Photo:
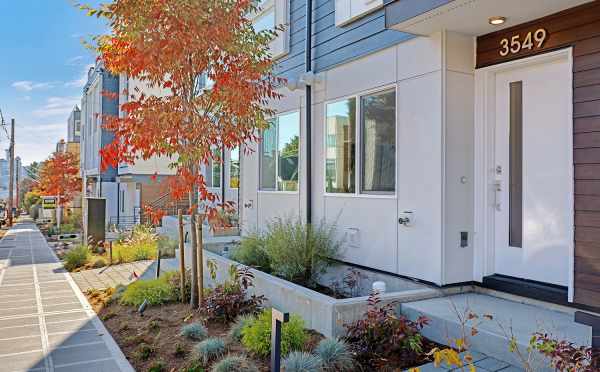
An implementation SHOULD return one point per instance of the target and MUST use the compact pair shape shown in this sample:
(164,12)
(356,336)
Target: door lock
(406,218)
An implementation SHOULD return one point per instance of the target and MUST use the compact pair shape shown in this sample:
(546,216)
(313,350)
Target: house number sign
(516,43)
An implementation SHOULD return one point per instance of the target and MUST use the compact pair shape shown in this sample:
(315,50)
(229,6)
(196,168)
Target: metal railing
(124,222)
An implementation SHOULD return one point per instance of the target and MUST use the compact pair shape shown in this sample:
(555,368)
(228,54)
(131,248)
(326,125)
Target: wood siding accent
(578,28)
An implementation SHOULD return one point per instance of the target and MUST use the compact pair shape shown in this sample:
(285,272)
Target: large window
(279,154)
(376,138)
(340,175)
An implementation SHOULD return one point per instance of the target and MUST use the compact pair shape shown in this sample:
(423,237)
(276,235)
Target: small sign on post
(48,202)
(277,320)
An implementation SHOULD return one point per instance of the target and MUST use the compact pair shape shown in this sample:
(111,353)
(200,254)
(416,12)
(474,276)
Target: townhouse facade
(450,141)
(95,106)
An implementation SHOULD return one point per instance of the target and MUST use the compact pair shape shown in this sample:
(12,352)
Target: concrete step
(509,318)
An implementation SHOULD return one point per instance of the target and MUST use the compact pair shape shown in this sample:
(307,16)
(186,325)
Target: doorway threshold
(552,293)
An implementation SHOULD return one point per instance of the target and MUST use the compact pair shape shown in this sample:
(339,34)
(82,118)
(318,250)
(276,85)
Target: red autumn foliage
(59,176)
(170,47)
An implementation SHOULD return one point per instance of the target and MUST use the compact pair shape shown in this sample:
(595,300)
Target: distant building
(20,173)
(74,126)
(72,147)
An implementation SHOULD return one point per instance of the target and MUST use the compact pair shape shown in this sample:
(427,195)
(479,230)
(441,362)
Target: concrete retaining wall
(322,313)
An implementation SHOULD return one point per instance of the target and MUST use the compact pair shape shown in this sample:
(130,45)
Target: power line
(3,123)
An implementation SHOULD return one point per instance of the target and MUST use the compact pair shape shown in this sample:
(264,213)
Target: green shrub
(380,334)
(144,351)
(299,361)
(130,252)
(179,351)
(157,366)
(68,228)
(235,332)
(194,331)
(234,363)
(156,291)
(210,349)
(252,252)
(335,354)
(256,336)
(140,244)
(76,257)
(228,300)
(75,219)
(98,262)
(300,252)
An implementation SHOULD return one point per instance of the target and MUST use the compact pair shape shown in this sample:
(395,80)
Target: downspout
(223,198)
(308,112)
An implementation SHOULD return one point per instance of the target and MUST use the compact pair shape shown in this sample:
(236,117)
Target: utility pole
(11,180)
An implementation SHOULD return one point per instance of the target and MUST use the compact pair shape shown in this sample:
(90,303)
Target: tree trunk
(200,255)
(181,254)
(194,263)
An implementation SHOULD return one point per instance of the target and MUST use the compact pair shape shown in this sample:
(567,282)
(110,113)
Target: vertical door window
(288,140)
(234,168)
(213,170)
(340,163)
(268,157)
(378,126)
(516,165)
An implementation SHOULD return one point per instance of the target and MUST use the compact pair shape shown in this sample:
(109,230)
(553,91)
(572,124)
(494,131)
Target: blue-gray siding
(334,45)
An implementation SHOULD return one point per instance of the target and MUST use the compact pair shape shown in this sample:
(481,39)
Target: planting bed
(159,328)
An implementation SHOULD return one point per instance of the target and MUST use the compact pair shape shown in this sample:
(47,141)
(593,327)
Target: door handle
(497,195)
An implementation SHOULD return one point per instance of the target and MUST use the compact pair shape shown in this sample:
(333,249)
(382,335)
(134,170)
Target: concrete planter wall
(322,313)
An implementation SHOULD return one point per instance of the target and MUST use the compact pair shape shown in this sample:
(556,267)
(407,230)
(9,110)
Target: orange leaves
(166,48)
(59,176)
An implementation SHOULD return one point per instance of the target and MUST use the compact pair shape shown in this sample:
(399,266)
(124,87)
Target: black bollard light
(277,319)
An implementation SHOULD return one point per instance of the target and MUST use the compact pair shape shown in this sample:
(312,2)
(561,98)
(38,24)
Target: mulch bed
(159,328)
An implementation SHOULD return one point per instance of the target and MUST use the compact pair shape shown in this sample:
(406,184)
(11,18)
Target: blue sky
(42,67)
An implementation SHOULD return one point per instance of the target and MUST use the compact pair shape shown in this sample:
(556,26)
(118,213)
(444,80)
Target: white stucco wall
(433,79)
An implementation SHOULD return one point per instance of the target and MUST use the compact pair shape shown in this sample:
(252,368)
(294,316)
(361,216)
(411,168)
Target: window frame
(300,157)
(358,156)
(210,166)
(279,46)
(229,162)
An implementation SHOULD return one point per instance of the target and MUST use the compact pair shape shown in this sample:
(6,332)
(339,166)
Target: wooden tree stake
(181,254)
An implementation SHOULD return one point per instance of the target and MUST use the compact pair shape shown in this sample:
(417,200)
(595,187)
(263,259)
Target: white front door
(533,171)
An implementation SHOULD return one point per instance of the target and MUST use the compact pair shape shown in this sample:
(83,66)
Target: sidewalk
(46,324)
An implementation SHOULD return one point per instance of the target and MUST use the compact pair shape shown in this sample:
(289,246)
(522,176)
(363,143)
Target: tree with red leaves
(175,46)
(59,176)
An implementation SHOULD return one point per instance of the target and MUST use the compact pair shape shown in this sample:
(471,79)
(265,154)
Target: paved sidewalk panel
(46,324)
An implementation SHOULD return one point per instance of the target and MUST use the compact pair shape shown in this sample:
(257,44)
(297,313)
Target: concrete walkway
(110,276)
(46,324)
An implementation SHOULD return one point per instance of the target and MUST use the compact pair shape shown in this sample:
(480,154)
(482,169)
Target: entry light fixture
(496,21)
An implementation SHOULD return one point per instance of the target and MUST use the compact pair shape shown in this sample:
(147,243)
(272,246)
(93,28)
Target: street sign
(48,202)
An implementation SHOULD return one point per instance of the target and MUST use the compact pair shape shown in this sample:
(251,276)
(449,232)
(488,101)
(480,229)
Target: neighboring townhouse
(95,106)
(450,141)
(143,183)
